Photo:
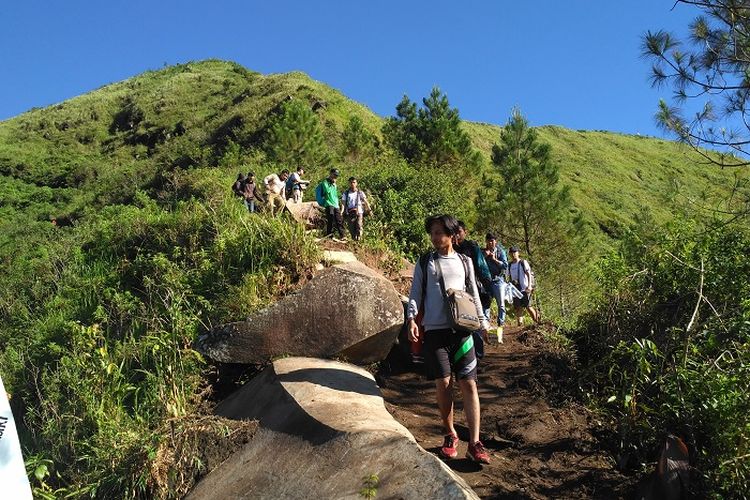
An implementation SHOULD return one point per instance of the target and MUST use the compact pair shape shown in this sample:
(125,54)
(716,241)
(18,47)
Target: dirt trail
(542,445)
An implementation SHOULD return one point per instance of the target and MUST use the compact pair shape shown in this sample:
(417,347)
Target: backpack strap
(467,278)
(423,261)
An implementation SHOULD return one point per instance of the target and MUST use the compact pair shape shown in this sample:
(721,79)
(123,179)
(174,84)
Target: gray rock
(307,213)
(323,429)
(347,310)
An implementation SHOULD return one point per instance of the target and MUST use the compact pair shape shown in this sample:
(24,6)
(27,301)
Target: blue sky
(573,63)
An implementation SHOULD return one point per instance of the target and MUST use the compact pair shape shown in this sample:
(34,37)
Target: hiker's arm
(527,272)
(415,302)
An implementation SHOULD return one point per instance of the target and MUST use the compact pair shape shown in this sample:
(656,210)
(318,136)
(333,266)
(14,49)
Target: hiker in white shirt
(449,353)
(275,187)
(519,272)
(355,205)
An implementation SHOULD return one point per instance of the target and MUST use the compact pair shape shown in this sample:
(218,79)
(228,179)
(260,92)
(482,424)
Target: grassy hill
(100,148)
(120,240)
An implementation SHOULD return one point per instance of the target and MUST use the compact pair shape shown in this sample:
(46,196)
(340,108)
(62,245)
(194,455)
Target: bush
(658,364)
(105,362)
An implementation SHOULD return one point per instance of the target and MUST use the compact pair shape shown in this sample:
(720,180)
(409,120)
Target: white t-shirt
(274,184)
(517,274)
(454,276)
(354,199)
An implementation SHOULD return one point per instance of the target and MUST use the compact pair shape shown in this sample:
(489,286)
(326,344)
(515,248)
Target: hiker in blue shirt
(497,262)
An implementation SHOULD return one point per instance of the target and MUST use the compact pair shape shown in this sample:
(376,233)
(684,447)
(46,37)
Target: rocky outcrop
(323,430)
(306,213)
(347,310)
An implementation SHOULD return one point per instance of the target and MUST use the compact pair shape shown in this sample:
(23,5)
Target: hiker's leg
(339,222)
(533,313)
(500,303)
(471,407)
(251,206)
(478,344)
(360,226)
(496,293)
(329,220)
(352,226)
(443,388)
(297,196)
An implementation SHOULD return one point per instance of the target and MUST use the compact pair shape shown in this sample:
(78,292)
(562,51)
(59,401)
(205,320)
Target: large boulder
(307,213)
(347,310)
(323,429)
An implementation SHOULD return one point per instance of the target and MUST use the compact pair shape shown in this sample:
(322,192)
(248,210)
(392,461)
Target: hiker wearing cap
(449,354)
(327,195)
(355,205)
(275,191)
(519,272)
(497,262)
(471,249)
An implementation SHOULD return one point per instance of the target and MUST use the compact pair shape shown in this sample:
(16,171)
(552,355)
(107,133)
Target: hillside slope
(101,147)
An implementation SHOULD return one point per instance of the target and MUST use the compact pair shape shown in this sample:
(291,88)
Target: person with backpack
(327,196)
(275,191)
(251,193)
(448,350)
(497,262)
(483,278)
(520,274)
(295,185)
(238,187)
(355,205)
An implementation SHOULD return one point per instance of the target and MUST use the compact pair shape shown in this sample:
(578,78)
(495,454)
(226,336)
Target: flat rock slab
(339,257)
(348,310)
(323,429)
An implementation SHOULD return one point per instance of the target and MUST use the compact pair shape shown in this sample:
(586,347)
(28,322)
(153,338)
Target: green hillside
(101,147)
(120,241)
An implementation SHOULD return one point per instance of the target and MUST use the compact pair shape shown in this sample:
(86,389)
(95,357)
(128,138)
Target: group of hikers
(438,313)
(285,186)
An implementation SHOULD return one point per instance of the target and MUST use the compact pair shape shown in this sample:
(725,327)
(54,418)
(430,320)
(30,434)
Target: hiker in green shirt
(327,195)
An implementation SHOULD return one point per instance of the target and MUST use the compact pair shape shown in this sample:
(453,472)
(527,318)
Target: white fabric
(274,184)
(435,317)
(13,481)
(352,199)
(510,292)
(517,274)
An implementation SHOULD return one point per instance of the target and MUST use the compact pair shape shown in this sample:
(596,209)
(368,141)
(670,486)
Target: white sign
(13,481)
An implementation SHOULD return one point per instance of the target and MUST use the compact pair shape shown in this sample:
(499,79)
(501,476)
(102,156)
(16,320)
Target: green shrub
(658,364)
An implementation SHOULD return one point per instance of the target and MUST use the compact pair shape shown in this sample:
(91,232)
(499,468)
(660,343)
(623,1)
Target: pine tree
(359,142)
(525,202)
(713,71)
(431,134)
(295,137)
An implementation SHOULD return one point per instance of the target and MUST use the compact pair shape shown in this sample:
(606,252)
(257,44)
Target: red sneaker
(477,453)
(448,449)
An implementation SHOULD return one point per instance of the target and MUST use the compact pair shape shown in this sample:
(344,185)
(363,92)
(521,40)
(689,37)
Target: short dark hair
(251,174)
(461,224)
(490,237)
(300,169)
(449,223)
(285,171)
(352,179)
